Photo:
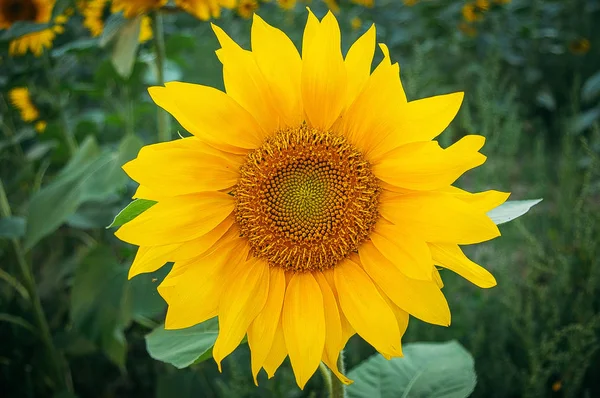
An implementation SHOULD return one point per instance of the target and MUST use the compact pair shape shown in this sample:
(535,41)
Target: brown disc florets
(306,199)
(18,10)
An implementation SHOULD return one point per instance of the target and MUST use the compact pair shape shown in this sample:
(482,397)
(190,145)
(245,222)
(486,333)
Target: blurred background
(74,107)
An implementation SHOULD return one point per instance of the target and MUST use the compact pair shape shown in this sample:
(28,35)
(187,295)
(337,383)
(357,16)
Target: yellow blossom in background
(580,46)
(410,3)
(133,8)
(333,5)
(471,13)
(40,126)
(145,29)
(467,29)
(93,16)
(205,9)
(246,8)
(20,98)
(365,3)
(36,11)
(356,23)
(311,202)
(286,4)
(93,19)
(482,5)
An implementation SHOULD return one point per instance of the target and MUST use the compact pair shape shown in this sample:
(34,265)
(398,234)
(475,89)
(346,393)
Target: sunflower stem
(40,319)
(338,389)
(164,133)
(62,118)
(326,378)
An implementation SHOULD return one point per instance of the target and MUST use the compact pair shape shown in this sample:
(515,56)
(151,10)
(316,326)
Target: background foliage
(531,73)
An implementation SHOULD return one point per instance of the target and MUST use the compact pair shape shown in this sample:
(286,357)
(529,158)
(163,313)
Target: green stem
(29,282)
(326,378)
(335,388)
(164,133)
(338,389)
(64,123)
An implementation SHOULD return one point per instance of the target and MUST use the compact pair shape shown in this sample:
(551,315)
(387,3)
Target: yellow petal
(277,353)
(181,171)
(421,299)
(450,256)
(304,325)
(151,258)
(437,277)
(333,327)
(426,166)
(178,219)
(201,245)
(193,288)
(245,83)
(347,329)
(376,110)
(366,310)
(438,217)
(485,201)
(146,193)
(209,114)
(280,63)
(323,73)
(358,63)
(408,253)
(242,300)
(263,328)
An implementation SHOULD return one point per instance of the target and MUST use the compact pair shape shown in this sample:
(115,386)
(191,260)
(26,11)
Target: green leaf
(131,211)
(584,120)
(112,26)
(15,320)
(591,87)
(432,370)
(91,175)
(125,50)
(12,227)
(510,210)
(183,347)
(100,304)
(80,44)
(21,28)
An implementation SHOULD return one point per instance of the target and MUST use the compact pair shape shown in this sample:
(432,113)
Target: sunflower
(36,11)
(246,8)
(21,100)
(93,19)
(205,9)
(310,203)
(286,4)
(133,8)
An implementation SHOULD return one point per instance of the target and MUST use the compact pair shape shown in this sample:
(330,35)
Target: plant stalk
(338,389)
(164,133)
(40,319)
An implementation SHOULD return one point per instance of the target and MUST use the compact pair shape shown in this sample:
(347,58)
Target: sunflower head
(246,8)
(11,11)
(311,203)
(133,8)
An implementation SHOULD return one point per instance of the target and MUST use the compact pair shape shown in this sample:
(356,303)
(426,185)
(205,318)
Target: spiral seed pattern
(306,199)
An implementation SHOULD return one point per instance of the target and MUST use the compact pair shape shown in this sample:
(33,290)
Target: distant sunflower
(21,100)
(310,204)
(365,3)
(133,8)
(286,4)
(246,8)
(580,46)
(93,19)
(205,9)
(36,11)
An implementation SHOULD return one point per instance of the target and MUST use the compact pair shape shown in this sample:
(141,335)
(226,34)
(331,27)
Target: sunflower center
(306,199)
(19,10)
